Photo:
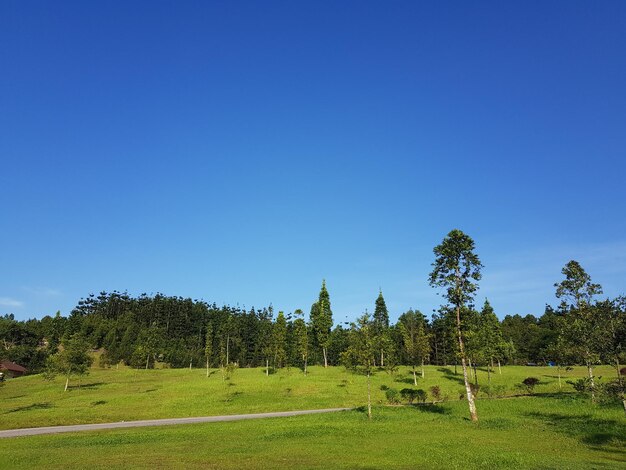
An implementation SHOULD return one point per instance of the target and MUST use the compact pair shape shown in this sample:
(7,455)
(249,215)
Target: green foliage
(392,396)
(456,268)
(72,359)
(530,383)
(322,320)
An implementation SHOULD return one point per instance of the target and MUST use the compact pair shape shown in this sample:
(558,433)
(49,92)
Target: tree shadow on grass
(594,432)
(433,408)
(34,406)
(93,385)
(450,375)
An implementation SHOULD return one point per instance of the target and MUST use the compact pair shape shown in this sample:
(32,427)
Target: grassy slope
(127,394)
(532,432)
(544,431)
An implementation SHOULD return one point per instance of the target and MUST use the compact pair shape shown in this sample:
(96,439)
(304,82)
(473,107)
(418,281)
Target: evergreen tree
(362,351)
(302,339)
(582,330)
(415,339)
(280,340)
(490,334)
(381,327)
(322,321)
(208,346)
(457,269)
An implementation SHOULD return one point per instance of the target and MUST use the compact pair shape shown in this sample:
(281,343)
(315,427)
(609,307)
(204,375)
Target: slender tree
(362,351)
(322,321)
(490,337)
(279,340)
(415,339)
(208,346)
(582,329)
(72,359)
(457,270)
(381,326)
(302,338)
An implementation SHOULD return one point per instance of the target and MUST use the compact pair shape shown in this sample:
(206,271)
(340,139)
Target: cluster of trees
(181,332)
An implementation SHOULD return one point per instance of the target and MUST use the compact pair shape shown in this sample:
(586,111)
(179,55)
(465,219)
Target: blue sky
(240,152)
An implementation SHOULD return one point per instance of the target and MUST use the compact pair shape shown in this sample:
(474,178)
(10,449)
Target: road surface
(157,422)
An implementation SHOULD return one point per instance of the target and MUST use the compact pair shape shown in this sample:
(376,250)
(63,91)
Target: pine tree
(302,339)
(279,340)
(322,321)
(457,269)
(582,329)
(381,327)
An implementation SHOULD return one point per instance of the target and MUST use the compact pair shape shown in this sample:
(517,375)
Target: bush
(611,392)
(530,383)
(581,385)
(393,397)
(408,394)
(435,392)
(383,387)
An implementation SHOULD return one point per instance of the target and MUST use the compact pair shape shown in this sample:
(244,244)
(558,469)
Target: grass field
(548,430)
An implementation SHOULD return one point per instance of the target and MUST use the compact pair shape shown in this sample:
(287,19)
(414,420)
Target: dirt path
(157,422)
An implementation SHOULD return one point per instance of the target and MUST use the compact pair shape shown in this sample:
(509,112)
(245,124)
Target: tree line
(144,330)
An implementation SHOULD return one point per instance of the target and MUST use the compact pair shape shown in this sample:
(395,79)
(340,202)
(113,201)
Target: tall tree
(208,346)
(302,338)
(279,340)
(582,330)
(73,359)
(362,351)
(322,321)
(381,326)
(457,270)
(415,339)
(490,337)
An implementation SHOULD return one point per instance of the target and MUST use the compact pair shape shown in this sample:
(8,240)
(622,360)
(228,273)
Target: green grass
(547,430)
(534,432)
(114,395)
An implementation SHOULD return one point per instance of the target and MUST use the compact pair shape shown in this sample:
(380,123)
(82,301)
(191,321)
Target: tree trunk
(325,358)
(369,397)
(207,366)
(475,375)
(147,361)
(382,358)
(468,388)
(499,368)
(227,350)
(422,368)
(558,372)
(305,361)
(67,383)
(592,384)
(489,373)
(267,367)
(190,361)
(414,376)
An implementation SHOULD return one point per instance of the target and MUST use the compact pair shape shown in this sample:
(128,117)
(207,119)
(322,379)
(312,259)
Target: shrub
(530,383)
(392,396)
(581,385)
(408,394)
(383,387)
(435,392)
(611,392)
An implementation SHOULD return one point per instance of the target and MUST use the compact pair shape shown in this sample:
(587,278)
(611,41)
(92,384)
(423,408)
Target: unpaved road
(157,422)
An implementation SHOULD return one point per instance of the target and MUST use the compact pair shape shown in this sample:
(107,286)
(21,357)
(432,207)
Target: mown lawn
(528,432)
(126,394)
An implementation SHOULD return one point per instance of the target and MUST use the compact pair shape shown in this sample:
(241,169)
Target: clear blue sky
(240,152)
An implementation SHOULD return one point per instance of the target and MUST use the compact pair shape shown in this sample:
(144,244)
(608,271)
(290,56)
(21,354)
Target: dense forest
(180,332)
